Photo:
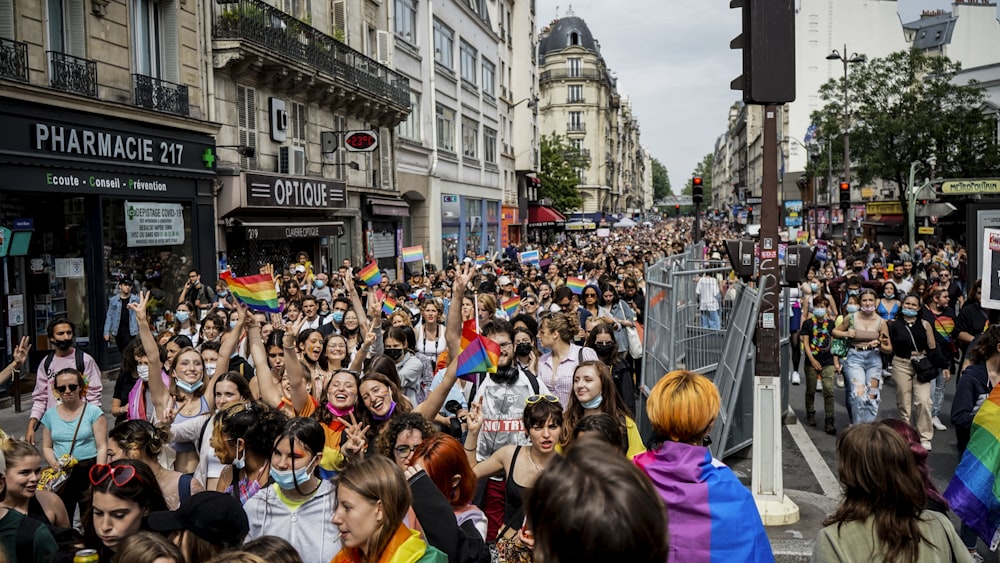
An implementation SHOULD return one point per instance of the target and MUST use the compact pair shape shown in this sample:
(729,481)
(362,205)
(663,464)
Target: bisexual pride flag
(413,254)
(257,292)
(370,274)
(974,490)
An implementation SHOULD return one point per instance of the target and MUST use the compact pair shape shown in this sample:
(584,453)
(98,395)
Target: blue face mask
(232,325)
(189,387)
(593,403)
(338,316)
(182,316)
(854,292)
(853,308)
(909,313)
(813,286)
(223,292)
(286,480)
(819,312)
(240,462)
(319,284)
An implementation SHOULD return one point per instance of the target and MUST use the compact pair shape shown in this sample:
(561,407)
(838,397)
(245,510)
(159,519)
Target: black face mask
(394,353)
(64,345)
(604,349)
(505,375)
(523,349)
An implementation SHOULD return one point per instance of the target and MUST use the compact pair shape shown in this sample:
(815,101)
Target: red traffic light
(696,181)
(677,206)
(845,186)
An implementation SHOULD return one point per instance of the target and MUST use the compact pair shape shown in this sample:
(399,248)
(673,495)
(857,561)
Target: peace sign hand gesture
(475,417)
(356,434)
(140,307)
(21,350)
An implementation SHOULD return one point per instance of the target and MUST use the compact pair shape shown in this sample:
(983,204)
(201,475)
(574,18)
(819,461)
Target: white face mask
(210,369)
(142,372)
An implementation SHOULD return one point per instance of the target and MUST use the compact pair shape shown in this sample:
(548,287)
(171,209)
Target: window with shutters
(246,109)
(468,55)
(7,19)
(445,129)
(410,128)
(489,145)
(489,78)
(339,20)
(66,27)
(470,138)
(339,171)
(385,154)
(154,36)
(297,123)
(406,20)
(444,45)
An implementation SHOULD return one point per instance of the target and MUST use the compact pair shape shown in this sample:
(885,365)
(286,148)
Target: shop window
(473,227)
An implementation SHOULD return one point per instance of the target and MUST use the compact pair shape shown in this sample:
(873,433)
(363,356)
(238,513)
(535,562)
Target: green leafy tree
(661,181)
(560,173)
(703,169)
(904,108)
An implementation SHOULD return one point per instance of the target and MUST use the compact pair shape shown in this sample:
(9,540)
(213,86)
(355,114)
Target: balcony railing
(256,22)
(153,93)
(13,60)
(562,74)
(576,127)
(575,100)
(72,74)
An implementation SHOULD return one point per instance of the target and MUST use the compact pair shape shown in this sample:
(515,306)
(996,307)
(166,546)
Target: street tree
(661,181)
(561,164)
(905,107)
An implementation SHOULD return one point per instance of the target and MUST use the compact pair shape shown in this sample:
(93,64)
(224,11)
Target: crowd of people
(346,429)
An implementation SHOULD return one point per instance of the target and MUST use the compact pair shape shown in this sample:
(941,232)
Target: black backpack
(52,354)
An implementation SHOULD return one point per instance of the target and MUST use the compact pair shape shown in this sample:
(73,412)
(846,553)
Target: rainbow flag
(711,516)
(468,333)
(481,356)
(413,254)
(257,292)
(511,305)
(974,490)
(481,260)
(576,284)
(388,305)
(370,274)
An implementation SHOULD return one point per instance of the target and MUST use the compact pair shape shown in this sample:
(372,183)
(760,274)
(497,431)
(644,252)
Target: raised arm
(453,328)
(435,400)
(229,343)
(159,390)
(359,358)
(293,368)
(20,354)
(267,388)
(359,308)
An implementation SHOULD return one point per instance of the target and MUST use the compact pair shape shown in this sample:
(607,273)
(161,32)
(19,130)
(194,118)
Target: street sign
(961,187)
(925,230)
(935,210)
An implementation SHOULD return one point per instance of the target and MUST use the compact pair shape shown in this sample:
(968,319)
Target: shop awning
(884,220)
(544,216)
(390,207)
(278,230)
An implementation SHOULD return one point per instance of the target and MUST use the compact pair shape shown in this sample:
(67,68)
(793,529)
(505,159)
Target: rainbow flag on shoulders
(388,305)
(576,284)
(257,292)
(511,305)
(974,490)
(370,274)
(413,254)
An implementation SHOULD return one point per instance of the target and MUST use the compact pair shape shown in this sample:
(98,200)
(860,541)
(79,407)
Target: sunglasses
(120,475)
(72,387)
(536,398)
(530,303)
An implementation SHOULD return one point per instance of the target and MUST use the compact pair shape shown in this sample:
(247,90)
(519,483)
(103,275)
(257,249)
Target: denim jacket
(115,313)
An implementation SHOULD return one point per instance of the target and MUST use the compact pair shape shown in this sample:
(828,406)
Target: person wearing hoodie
(298,506)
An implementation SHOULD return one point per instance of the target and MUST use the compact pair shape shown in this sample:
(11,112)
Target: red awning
(544,216)
(884,220)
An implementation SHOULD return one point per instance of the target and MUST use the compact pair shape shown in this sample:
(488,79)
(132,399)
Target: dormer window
(574,38)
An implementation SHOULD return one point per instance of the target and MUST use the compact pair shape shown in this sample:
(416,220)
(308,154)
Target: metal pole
(849,235)
(911,205)
(766,477)
(697,222)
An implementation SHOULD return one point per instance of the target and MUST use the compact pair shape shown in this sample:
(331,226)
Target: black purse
(923,369)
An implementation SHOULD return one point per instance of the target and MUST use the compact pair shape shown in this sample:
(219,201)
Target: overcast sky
(673,60)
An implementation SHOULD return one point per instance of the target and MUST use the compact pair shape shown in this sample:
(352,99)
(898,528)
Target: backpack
(52,354)
(68,540)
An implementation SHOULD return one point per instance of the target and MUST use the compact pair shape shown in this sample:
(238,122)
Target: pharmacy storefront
(90,200)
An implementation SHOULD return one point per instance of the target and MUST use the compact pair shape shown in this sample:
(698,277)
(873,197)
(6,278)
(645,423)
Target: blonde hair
(682,405)
(403,314)
(488,301)
(377,479)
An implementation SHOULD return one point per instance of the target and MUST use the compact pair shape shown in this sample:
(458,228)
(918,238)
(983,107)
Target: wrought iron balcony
(570,74)
(576,127)
(153,93)
(72,74)
(13,60)
(254,21)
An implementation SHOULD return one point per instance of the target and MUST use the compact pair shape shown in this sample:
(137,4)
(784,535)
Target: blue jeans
(863,370)
(937,394)
(710,319)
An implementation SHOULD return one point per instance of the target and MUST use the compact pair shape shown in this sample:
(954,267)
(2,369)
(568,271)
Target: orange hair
(443,458)
(682,404)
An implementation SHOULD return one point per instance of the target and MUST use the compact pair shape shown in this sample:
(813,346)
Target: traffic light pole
(767,483)
(697,222)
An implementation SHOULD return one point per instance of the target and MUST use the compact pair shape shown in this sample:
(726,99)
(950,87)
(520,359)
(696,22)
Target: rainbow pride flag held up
(481,356)
(481,260)
(413,254)
(511,305)
(576,284)
(257,292)
(388,305)
(469,333)
(370,274)
(974,490)
(711,516)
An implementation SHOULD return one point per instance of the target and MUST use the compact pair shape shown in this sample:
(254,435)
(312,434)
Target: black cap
(125,281)
(215,517)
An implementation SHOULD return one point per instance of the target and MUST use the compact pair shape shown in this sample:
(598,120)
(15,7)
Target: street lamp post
(847,61)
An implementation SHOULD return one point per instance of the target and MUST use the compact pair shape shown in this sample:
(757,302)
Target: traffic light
(845,195)
(768,44)
(750,214)
(677,209)
(697,192)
